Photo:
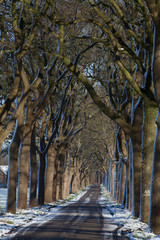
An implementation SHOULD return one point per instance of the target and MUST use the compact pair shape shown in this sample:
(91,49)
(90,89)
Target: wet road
(80,220)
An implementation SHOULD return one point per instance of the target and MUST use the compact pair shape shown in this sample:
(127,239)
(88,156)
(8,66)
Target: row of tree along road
(51,53)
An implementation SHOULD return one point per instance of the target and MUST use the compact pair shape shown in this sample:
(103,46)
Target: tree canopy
(55,53)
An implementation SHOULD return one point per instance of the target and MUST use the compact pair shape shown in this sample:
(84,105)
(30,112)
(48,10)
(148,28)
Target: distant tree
(91,145)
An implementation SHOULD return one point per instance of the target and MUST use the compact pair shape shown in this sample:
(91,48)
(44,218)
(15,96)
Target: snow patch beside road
(132,227)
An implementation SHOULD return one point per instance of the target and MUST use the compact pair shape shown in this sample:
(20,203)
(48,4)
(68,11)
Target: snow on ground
(135,229)
(131,226)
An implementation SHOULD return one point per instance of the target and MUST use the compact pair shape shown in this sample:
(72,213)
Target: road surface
(82,220)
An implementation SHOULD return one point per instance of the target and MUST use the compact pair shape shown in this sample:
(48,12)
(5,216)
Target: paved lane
(80,220)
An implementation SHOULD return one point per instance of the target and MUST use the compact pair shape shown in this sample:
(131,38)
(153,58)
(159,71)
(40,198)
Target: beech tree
(154,222)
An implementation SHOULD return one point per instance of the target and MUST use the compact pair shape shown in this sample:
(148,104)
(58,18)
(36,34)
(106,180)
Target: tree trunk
(58,180)
(128,186)
(61,183)
(42,164)
(13,171)
(51,156)
(24,167)
(154,216)
(33,172)
(107,180)
(111,176)
(71,184)
(130,176)
(87,180)
(74,184)
(54,191)
(119,179)
(123,180)
(66,178)
(82,182)
(115,180)
(136,177)
(136,159)
(61,159)
(148,147)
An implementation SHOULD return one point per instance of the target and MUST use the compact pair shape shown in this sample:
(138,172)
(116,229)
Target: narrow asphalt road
(80,220)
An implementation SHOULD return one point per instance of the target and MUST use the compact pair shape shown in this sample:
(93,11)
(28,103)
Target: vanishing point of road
(82,220)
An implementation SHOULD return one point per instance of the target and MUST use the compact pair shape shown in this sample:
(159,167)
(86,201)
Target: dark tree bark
(13,171)
(24,167)
(33,172)
(123,180)
(154,217)
(149,128)
(127,192)
(60,171)
(42,164)
(55,175)
(51,158)
(136,138)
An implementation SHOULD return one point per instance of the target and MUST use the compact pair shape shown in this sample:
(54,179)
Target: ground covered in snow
(128,224)
(131,226)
